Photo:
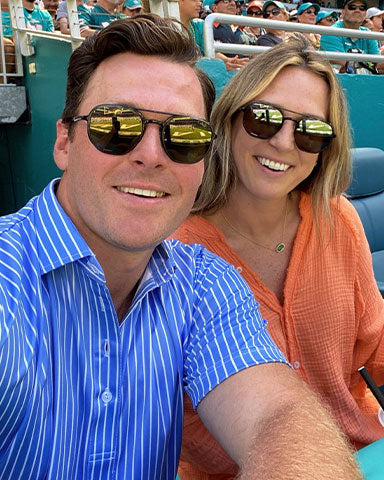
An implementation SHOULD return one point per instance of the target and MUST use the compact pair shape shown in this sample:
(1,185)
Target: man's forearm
(301,442)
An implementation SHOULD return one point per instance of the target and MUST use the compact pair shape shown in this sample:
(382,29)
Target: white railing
(211,46)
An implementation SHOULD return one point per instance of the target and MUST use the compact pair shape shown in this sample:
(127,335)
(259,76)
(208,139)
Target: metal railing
(211,46)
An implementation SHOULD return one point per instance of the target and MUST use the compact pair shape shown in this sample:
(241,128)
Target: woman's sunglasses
(117,129)
(274,12)
(261,120)
(362,8)
(310,11)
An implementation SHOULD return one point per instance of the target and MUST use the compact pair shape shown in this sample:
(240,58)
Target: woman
(271,204)
(254,10)
(306,13)
(273,10)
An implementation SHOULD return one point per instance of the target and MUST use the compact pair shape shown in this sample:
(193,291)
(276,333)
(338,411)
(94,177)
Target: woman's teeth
(273,165)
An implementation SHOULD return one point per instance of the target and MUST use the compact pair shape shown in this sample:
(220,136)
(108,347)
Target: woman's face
(308,16)
(293,89)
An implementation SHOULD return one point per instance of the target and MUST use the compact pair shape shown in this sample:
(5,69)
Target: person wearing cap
(374,21)
(62,18)
(273,10)
(255,10)
(132,7)
(353,15)
(306,13)
(189,16)
(326,18)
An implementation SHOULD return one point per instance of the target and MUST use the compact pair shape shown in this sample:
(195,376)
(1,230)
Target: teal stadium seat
(367,195)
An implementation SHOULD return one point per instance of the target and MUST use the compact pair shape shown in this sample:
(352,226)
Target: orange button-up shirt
(330,324)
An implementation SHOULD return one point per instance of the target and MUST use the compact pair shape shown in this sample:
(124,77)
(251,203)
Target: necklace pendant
(280,247)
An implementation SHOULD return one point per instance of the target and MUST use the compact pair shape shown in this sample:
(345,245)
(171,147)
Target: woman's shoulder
(195,229)
(346,218)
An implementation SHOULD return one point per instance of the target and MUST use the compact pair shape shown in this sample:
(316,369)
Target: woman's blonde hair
(329,178)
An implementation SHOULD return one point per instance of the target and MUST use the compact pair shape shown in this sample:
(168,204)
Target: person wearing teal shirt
(102,14)
(35,19)
(353,15)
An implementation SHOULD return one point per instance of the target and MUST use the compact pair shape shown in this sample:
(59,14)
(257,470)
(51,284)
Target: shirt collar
(58,241)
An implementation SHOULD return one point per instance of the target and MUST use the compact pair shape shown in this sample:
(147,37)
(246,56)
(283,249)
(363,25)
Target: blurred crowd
(52,15)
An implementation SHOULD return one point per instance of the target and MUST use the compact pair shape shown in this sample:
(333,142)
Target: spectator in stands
(326,18)
(51,7)
(132,7)
(102,14)
(189,17)
(62,17)
(9,46)
(306,13)
(271,204)
(35,18)
(229,34)
(273,10)
(353,15)
(255,9)
(375,17)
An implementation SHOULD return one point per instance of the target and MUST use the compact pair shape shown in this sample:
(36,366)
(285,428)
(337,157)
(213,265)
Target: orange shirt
(331,323)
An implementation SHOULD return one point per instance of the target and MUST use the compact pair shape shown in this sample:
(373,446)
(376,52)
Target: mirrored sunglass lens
(186,139)
(115,130)
(313,135)
(261,120)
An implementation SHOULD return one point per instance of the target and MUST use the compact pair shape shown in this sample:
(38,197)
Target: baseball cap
(349,1)
(325,14)
(255,4)
(373,12)
(270,2)
(307,5)
(208,4)
(132,4)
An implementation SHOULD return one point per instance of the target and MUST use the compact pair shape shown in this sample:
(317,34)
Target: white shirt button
(296,364)
(106,396)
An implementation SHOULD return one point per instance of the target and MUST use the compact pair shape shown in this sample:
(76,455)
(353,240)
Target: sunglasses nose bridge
(284,139)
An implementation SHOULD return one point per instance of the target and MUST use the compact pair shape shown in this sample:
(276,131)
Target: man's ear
(60,150)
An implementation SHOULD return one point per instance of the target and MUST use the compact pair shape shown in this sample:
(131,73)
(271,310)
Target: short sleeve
(227,333)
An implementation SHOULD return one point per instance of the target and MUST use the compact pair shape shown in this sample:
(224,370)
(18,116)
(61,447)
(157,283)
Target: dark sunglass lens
(313,135)
(262,121)
(115,130)
(186,139)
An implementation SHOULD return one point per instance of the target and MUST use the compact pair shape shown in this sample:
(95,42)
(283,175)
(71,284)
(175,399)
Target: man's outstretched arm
(275,428)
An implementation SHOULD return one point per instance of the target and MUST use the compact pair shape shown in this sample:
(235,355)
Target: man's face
(377,23)
(189,9)
(354,13)
(51,6)
(225,6)
(133,201)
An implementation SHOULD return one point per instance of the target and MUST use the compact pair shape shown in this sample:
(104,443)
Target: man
(189,16)
(101,14)
(35,18)
(353,15)
(375,18)
(273,10)
(225,33)
(103,323)
(62,17)
(132,7)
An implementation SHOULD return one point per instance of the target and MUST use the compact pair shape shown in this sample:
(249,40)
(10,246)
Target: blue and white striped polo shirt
(84,397)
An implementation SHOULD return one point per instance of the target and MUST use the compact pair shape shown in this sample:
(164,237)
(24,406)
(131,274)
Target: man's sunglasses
(255,13)
(262,120)
(362,8)
(117,129)
(274,12)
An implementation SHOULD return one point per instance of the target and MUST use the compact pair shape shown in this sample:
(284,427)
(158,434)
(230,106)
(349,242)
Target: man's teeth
(273,165)
(141,192)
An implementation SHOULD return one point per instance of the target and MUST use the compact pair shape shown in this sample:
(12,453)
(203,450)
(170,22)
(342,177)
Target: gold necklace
(280,247)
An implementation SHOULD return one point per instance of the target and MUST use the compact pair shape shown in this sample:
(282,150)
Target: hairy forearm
(301,442)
